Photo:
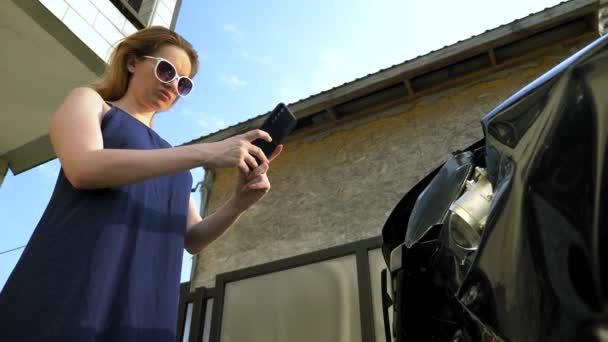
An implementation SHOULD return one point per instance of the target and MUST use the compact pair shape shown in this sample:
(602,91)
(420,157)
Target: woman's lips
(165,95)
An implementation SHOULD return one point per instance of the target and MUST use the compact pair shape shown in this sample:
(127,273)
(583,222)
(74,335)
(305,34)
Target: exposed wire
(14,249)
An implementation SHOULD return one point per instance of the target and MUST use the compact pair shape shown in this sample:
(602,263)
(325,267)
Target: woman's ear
(131,61)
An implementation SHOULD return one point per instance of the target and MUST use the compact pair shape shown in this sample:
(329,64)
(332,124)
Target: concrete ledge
(57,29)
(3,170)
(30,155)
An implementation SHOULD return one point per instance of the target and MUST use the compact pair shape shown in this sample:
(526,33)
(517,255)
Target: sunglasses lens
(165,71)
(184,86)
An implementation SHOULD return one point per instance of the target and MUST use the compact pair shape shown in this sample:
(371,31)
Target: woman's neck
(135,109)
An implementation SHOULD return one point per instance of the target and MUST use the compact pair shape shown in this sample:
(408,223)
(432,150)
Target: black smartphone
(279,124)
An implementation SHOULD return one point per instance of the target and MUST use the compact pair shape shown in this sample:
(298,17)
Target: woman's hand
(252,187)
(237,151)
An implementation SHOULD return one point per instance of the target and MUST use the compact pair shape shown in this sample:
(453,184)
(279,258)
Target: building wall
(99,24)
(340,185)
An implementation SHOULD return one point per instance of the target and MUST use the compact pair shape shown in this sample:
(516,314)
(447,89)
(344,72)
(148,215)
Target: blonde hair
(115,80)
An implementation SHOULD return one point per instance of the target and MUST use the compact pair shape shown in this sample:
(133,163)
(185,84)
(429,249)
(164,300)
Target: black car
(508,239)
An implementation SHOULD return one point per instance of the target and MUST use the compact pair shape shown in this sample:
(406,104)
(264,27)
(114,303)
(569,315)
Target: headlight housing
(469,212)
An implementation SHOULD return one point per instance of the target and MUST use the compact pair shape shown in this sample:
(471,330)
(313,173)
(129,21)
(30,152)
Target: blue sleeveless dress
(104,264)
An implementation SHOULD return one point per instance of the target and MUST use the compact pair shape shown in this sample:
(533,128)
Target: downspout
(206,187)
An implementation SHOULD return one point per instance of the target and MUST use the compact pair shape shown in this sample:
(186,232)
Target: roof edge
(514,31)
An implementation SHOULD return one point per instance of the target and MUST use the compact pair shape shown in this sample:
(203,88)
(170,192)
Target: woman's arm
(77,140)
(201,233)
(250,189)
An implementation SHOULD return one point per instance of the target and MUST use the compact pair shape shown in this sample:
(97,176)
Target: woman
(104,262)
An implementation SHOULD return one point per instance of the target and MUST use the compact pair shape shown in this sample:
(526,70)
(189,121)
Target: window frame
(359,249)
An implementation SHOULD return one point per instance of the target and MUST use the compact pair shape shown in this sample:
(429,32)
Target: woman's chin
(159,105)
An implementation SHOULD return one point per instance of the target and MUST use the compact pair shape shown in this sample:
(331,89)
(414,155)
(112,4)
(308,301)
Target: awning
(41,60)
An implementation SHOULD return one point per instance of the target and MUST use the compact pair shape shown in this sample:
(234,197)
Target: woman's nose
(173,85)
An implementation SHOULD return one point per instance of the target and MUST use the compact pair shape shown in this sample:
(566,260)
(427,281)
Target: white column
(602,17)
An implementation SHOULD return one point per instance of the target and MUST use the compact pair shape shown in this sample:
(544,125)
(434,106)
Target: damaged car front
(507,239)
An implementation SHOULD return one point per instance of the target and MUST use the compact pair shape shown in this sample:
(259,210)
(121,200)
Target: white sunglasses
(166,73)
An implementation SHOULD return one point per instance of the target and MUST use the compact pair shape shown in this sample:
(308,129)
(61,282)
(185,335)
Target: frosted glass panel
(208,313)
(376,265)
(317,302)
(188,322)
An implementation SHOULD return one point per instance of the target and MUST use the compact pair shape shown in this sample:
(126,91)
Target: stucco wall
(339,186)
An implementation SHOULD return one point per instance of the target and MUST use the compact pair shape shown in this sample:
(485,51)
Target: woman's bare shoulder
(86,93)
(88,100)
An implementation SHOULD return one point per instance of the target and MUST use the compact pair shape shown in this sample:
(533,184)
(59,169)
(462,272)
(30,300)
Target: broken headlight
(469,212)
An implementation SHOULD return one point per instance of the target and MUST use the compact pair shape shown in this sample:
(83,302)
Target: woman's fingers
(258,153)
(254,156)
(251,162)
(257,171)
(243,167)
(259,182)
(257,134)
(276,152)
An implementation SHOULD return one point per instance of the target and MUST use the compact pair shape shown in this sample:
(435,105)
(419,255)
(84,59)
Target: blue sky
(256,54)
